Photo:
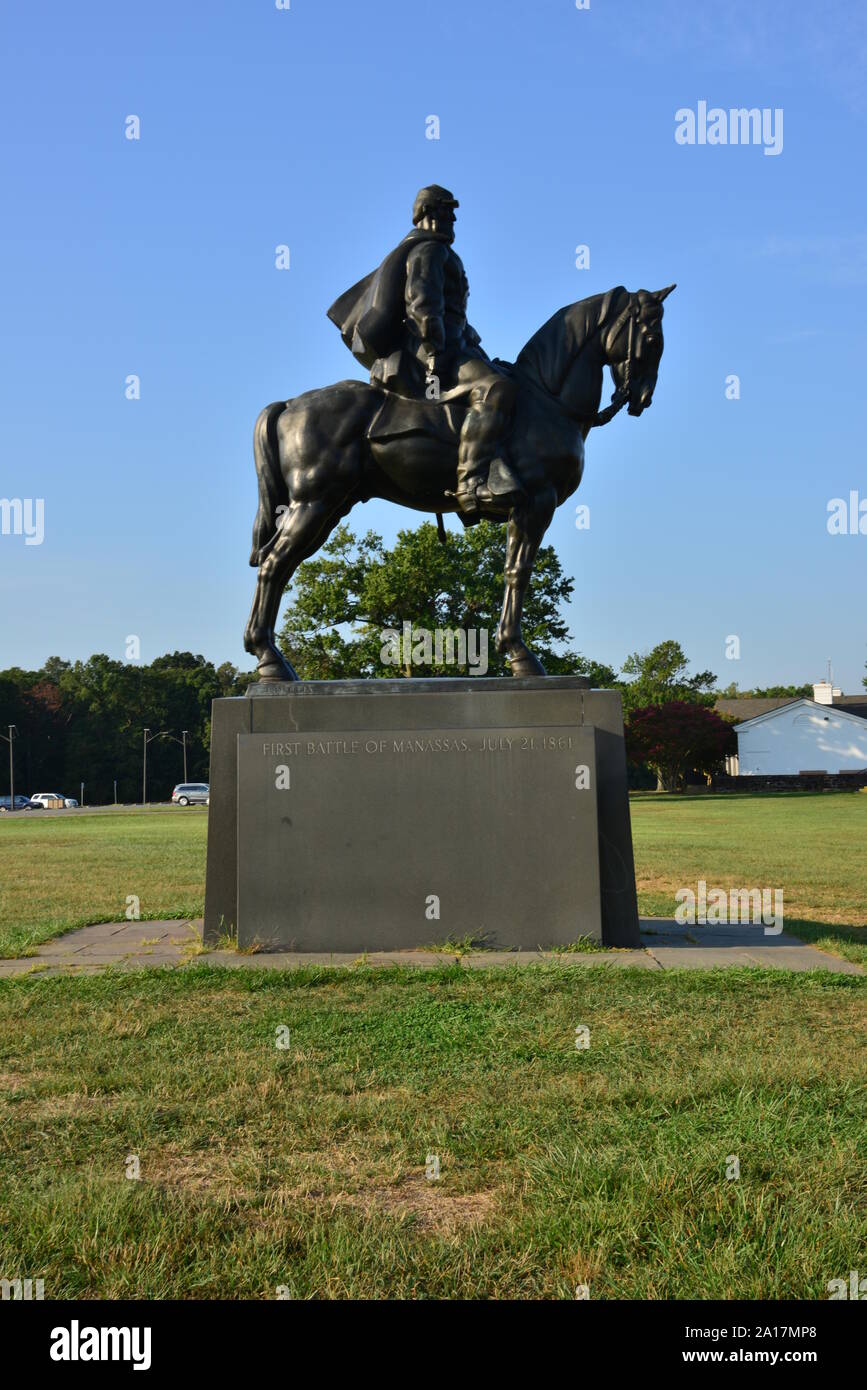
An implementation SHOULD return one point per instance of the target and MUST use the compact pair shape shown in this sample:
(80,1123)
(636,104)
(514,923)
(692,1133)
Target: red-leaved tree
(676,738)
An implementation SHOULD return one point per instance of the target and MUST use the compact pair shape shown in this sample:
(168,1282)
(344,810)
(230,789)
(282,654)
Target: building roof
(777,705)
(853,704)
(749,707)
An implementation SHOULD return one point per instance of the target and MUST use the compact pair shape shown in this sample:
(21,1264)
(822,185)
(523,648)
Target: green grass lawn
(812,845)
(60,873)
(305,1167)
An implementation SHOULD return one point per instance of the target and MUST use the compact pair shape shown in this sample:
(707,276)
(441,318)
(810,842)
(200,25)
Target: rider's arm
(425,299)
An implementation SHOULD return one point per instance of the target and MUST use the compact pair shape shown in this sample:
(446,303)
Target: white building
(818,735)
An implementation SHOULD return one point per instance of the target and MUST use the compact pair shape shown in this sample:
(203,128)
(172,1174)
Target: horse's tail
(272,488)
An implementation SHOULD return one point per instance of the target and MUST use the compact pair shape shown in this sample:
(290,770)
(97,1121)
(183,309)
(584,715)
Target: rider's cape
(371,315)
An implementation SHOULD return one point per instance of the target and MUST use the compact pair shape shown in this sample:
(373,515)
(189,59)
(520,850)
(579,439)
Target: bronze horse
(320,453)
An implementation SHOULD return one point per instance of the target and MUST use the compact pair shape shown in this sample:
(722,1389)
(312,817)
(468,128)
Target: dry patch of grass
(198,1173)
(433,1208)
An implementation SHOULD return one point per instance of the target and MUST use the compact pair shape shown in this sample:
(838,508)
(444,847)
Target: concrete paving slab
(655,925)
(117,950)
(136,934)
(802,957)
(710,933)
(156,962)
(667,945)
(61,949)
(98,955)
(700,957)
(100,931)
(726,936)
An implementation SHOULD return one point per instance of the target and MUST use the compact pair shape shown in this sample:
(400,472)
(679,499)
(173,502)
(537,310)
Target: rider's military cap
(434,196)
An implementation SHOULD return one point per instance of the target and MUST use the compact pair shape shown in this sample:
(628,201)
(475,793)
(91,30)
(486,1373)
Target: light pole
(183,742)
(149,738)
(13,732)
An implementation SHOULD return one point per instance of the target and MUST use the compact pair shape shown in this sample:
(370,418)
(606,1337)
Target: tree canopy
(354,591)
(778,692)
(83,721)
(660,676)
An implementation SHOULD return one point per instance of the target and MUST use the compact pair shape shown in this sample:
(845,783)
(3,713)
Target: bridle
(621,395)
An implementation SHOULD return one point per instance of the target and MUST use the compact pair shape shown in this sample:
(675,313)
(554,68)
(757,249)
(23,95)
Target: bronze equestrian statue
(407,322)
(441,427)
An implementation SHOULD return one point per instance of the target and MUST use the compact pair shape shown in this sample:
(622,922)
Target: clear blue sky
(307,127)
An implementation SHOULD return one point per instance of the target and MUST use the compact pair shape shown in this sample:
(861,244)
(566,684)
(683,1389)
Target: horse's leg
(527,525)
(319,454)
(304,527)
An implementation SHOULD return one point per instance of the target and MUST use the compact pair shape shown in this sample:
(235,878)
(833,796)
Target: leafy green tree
(233,681)
(355,590)
(777,692)
(83,721)
(660,675)
(601,677)
(14,711)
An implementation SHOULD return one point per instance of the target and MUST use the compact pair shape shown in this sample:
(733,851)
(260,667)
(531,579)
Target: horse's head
(633,345)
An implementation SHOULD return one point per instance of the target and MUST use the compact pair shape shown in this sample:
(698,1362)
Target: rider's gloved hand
(434,359)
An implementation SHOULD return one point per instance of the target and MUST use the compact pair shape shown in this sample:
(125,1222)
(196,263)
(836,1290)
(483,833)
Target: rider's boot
(494,484)
(483,480)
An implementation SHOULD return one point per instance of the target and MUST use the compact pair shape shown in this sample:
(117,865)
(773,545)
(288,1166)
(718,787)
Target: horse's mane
(548,355)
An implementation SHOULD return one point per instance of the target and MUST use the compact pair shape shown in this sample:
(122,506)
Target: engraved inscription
(417,743)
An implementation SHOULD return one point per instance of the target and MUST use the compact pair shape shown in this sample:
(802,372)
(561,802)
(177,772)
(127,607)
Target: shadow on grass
(850,943)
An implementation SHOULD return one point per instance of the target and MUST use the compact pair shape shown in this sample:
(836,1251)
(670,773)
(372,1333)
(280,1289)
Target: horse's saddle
(440,419)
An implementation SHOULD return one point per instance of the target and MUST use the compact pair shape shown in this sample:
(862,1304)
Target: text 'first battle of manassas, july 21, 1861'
(497,743)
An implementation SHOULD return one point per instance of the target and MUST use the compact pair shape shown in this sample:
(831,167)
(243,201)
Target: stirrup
(470,500)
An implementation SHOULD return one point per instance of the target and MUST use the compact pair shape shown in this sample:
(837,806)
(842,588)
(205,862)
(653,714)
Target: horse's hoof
(275,667)
(528,665)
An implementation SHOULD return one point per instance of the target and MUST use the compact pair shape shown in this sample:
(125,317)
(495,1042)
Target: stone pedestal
(391,814)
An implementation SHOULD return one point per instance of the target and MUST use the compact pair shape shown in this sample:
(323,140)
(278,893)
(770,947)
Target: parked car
(192,794)
(70,801)
(49,801)
(22,803)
